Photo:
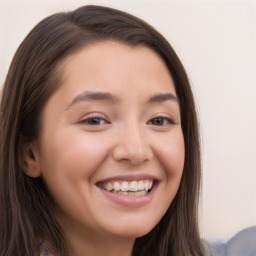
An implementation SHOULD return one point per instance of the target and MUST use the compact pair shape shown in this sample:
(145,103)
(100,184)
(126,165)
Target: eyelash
(94,119)
(97,121)
(163,121)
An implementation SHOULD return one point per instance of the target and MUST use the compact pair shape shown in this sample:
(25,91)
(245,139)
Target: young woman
(99,142)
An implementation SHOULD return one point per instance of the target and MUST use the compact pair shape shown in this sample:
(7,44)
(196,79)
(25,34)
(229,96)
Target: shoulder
(242,244)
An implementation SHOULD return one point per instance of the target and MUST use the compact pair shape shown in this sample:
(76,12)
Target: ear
(29,158)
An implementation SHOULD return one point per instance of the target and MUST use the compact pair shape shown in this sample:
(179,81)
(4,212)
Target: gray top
(242,244)
(44,251)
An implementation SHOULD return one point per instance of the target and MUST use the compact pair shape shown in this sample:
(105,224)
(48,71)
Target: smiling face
(111,149)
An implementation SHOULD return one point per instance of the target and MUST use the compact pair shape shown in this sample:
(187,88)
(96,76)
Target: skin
(129,138)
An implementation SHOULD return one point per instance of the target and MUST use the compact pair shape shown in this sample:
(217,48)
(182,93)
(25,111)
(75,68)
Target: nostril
(135,155)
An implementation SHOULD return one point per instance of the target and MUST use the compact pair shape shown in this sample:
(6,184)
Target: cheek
(70,160)
(171,153)
(67,149)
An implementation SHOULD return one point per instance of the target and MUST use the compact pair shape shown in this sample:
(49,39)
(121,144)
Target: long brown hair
(25,207)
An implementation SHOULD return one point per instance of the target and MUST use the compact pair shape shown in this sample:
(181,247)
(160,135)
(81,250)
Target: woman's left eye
(94,121)
(161,121)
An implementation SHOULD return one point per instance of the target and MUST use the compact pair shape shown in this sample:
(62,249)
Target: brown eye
(161,121)
(94,121)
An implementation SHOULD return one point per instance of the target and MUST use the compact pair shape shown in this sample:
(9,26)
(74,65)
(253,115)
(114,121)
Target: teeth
(109,186)
(141,185)
(124,186)
(146,185)
(139,193)
(150,184)
(133,186)
(128,188)
(116,186)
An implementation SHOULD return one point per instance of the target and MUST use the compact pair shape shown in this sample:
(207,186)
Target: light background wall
(216,42)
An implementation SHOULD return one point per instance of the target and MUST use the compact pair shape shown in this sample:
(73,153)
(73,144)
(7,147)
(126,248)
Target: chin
(133,230)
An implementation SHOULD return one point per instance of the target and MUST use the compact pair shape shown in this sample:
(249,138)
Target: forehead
(111,65)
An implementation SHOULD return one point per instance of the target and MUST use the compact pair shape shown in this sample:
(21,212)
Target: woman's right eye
(94,121)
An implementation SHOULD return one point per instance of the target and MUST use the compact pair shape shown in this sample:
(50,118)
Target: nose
(132,146)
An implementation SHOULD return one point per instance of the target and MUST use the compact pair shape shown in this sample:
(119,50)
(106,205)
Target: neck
(82,241)
(107,246)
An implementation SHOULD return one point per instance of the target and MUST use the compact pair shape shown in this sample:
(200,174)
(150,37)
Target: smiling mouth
(128,188)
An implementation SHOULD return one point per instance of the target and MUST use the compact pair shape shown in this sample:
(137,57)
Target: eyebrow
(163,97)
(105,96)
(95,96)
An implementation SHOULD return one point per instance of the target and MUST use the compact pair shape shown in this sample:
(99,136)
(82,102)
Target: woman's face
(110,133)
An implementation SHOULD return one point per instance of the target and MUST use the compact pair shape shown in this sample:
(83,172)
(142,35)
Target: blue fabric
(242,244)
(44,251)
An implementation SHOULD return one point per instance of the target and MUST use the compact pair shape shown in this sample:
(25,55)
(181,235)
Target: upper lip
(129,178)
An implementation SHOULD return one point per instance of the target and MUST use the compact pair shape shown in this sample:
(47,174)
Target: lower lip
(131,201)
